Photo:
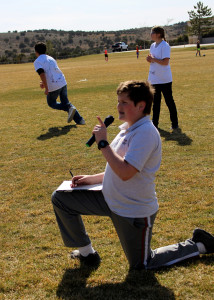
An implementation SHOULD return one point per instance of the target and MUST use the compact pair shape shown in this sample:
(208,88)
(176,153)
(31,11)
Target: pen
(71,173)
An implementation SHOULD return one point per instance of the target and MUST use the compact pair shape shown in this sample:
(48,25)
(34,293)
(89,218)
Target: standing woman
(160,75)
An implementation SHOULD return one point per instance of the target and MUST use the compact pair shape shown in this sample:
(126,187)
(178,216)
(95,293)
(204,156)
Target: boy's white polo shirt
(140,145)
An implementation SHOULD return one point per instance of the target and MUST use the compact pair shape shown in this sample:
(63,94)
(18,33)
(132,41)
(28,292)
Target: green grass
(38,148)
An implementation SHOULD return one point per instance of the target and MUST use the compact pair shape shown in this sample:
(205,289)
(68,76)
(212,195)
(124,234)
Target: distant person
(198,50)
(160,75)
(128,195)
(137,51)
(106,54)
(54,83)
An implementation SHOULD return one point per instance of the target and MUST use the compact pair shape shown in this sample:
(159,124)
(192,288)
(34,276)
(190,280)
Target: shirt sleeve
(140,149)
(37,65)
(166,50)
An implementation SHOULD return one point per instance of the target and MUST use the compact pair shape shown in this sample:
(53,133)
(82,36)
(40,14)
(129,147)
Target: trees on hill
(64,44)
(200,19)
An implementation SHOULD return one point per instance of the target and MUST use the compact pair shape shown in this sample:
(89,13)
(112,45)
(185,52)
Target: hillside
(19,46)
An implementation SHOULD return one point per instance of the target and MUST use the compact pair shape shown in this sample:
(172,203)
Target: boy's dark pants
(134,233)
(64,103)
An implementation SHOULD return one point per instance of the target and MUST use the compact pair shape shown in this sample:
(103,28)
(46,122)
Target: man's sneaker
(201,236)
(71,113)
(92,260)
(82,122)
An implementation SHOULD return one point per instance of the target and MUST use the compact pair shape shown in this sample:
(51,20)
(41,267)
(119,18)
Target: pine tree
(200,20)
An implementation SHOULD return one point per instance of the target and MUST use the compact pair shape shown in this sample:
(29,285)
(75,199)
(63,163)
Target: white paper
(66,187)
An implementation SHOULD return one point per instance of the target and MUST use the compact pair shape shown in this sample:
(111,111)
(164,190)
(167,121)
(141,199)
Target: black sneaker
(92,260)
(82,122)
(201,236)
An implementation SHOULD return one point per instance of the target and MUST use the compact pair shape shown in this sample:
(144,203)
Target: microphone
(108,121)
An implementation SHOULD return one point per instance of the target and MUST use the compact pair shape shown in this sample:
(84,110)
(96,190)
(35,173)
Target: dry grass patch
(37,149)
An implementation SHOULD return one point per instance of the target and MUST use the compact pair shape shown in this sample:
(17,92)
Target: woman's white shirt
(159,74)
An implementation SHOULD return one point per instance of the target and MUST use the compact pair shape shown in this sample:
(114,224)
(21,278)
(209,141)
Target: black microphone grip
(108,121)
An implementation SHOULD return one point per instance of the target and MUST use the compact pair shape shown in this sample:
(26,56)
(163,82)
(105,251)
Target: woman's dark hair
(160,30)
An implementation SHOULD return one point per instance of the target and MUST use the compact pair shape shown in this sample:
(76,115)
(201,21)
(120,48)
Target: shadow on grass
(137,285)
(55,131)
(181,138)
(207,260)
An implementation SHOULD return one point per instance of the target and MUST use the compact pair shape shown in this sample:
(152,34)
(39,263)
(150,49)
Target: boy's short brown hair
(138,91)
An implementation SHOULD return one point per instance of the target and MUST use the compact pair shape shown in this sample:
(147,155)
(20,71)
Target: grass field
(38,148)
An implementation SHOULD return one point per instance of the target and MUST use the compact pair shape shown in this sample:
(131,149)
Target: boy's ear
(142,105)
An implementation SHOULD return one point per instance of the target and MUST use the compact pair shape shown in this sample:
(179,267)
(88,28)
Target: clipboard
(65,186)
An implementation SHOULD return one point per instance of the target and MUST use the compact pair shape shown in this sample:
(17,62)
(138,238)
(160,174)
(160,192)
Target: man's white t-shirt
(54,76)
(159,74)
(140,145)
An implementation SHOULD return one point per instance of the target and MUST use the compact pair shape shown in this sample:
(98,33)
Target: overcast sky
(93,15)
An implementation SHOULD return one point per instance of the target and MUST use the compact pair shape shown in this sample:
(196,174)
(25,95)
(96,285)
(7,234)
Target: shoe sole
(70,118)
